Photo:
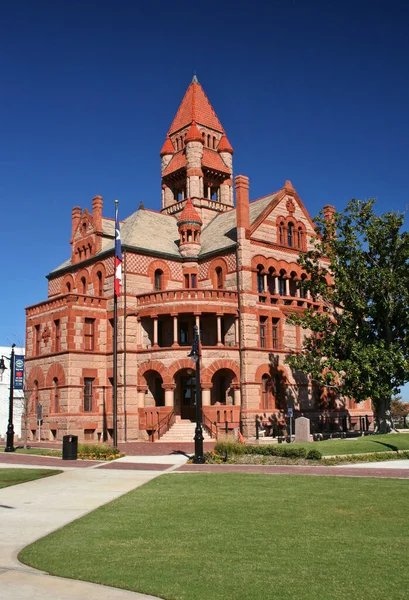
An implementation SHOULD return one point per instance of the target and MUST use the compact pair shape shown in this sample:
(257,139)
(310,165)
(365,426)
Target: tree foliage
(359,342)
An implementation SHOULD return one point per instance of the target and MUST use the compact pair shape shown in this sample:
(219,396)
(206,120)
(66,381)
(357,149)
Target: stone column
(206,396)
(138,332)
(274,285)
(219,330)
(142,389)
(197,322)
(236,394)
(155,332)
(265,282)
(287,287)
(308,295)
(175,331)
(297,290)
(169,394)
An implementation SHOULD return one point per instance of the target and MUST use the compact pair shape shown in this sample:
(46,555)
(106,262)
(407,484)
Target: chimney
(76,218)
(329,212)
(242,202)
(97,213)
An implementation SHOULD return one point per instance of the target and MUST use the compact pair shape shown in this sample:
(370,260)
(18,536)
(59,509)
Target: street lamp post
(10,428)
(195,355)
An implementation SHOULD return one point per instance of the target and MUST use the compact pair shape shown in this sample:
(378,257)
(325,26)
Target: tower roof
(193,134)
(189,214)
(195,106)
(167,147)
(224,145)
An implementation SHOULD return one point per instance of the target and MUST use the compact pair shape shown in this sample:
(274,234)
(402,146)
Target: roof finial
(195,79)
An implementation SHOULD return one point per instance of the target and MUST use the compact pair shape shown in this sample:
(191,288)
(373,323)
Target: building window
(263,332)
(100,284)
(56,396)
(37,339)
(281,232)
(57,335)
(193,279)
(184,333)
(219,278)
(89,334)
(68,287)
(88,394)
(281,286)
(260,279)
(83,285)
(303,289)
(300,238)
(290,234)
(158,280)
(275,332)
(89,435)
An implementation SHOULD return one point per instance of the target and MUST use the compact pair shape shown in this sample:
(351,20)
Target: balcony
(57,302)
(186,295)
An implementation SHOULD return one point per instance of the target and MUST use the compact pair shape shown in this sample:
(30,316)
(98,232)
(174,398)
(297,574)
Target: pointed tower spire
(201,163)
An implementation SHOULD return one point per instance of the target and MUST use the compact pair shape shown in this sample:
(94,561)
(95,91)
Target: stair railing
(210,426)
(164,424)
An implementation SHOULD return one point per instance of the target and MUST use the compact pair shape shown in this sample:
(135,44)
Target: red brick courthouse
(230,268)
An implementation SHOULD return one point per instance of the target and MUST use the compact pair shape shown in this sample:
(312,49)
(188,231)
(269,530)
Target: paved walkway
(31,510)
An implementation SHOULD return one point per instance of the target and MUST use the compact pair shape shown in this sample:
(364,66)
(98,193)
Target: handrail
(166,422)
(184,294)
(210,426)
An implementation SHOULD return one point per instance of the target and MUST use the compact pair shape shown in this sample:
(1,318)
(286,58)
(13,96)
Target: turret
(194,155)
(189,225)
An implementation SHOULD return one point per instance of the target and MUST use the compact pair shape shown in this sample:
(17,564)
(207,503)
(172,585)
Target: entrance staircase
(182,431)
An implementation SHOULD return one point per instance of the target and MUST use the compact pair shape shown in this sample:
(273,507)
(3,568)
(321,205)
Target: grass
(218,536)
(37,451)
(391,442)
(15,476)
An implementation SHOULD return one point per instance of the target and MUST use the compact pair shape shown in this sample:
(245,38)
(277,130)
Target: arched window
(177,144)
(281,285)
(158,280)
(260,279)
(281,232)
(68,287)
(265,391)
(100,290)
(277,391)
(56,395)
(290,234)
(83,285)
(208,140)
(219,278)
(302,288)
(300,238)
(214,142)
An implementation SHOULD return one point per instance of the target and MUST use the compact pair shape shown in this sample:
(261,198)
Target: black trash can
(69,447)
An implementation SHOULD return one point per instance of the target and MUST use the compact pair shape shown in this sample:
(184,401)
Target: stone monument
(302,430)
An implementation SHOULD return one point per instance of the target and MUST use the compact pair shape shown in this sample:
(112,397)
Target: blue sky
(312,91)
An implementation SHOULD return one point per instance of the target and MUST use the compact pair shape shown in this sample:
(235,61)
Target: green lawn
(259,537)
(14,476)
(38,451)
(371,443)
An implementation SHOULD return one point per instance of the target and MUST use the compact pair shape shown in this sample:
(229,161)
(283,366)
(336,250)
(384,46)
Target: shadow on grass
(394,448)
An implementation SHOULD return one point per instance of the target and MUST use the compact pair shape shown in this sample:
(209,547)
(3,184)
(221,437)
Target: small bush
(98,452)
(284,450)
(314,454)
(229,445)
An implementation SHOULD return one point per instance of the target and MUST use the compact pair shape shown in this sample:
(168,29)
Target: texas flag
(118,258)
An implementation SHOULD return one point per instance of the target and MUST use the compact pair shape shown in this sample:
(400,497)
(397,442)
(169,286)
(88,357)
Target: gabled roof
(178,161)
(195,106)
(213,160)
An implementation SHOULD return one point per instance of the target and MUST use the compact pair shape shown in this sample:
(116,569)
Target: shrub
(229,445)
(284,450)
(98,452)
(314,454)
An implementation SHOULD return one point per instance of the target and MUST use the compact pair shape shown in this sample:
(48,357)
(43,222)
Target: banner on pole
(18,375)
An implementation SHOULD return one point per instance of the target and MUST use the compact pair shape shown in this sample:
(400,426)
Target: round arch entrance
(185,394)
(222,389)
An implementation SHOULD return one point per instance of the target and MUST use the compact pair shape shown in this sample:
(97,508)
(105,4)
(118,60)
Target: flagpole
(115,344)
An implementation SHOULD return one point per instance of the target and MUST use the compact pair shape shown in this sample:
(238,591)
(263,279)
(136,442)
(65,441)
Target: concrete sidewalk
(31,510)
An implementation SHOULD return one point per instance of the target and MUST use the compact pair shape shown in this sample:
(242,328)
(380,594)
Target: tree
(24,404)
(358,344)
(399,409)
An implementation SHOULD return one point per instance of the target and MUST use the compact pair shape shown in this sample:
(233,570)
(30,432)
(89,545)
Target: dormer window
(281,232)
(83,285)
(84,227)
